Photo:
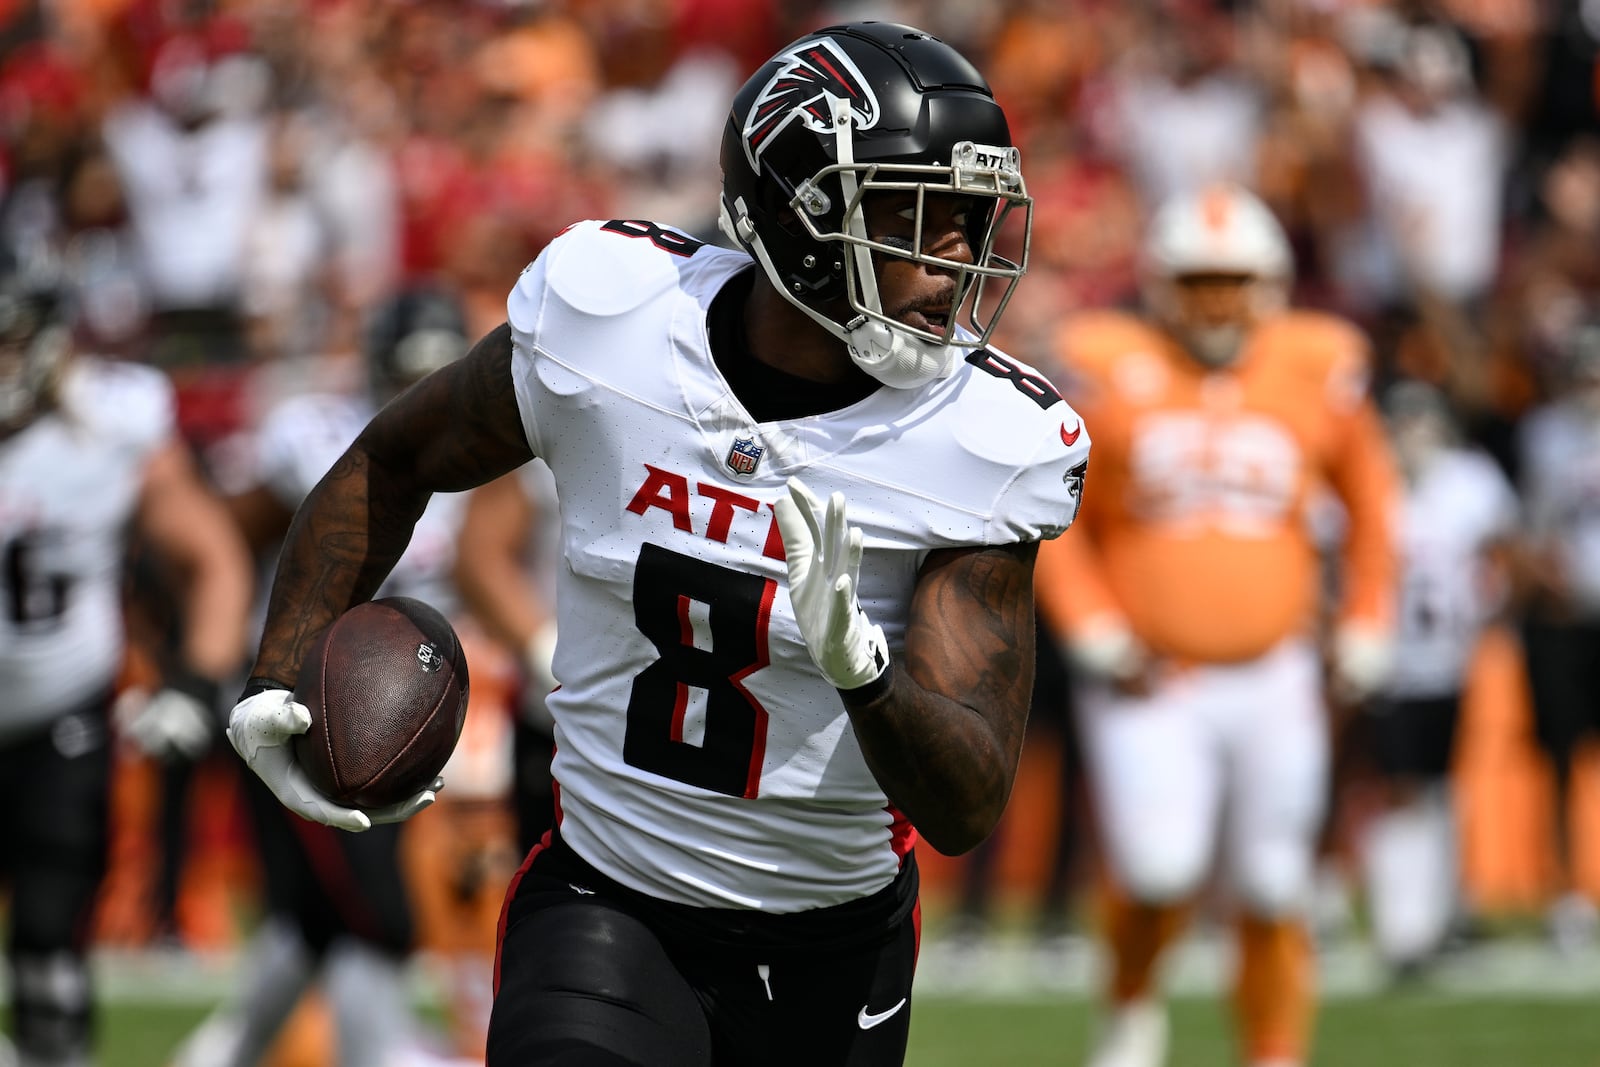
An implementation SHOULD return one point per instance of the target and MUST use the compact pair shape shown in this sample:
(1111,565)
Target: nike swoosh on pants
(866,1020)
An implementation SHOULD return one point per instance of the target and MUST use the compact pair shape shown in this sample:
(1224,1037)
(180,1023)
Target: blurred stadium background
(235,185)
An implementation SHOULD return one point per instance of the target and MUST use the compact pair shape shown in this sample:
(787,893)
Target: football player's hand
(262,727)
(171,725)
(1363,658)
(824,557)
(1112,654)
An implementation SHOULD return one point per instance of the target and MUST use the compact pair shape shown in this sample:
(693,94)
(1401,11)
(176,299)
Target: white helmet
(1220,230)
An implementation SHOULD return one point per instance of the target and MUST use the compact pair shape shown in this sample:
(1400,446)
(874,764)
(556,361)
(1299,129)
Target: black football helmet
(854,109)
(413,334)
(35,339)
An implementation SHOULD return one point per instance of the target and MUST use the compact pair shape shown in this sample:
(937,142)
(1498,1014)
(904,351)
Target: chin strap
(896,360)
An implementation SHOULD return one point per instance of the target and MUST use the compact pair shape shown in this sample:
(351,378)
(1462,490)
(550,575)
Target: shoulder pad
(1088,342)
(300,438)
(1013,418)
(1318,338)
(604,268)
(1326,349)
(127,402)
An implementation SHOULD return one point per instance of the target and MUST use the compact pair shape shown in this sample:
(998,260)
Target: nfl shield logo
(744,456)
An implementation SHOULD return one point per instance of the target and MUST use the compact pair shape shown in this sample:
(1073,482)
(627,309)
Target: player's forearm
(192,531)
(938,761)
(456,429)
(495,590)
(217,610)
(943,732)
(344,540)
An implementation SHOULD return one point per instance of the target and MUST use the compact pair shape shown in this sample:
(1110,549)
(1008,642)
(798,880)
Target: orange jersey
(1194,530)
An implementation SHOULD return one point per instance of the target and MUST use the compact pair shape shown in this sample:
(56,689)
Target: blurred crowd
(237,187)
(236,184)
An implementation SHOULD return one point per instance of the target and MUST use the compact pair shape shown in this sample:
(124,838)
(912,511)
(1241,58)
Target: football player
(89,450)
(1188,604)
(336,905)
(800,505)
(1459,519)
(1559,594)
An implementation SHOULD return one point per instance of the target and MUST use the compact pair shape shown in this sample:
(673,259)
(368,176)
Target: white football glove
(261,727)
(1108,653)
(824,558)
(1363,659)
(171,725)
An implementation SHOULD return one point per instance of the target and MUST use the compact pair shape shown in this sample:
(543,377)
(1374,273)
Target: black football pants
(54,833)
(587,979)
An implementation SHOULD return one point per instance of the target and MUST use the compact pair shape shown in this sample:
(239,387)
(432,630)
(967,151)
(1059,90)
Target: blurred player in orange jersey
(1189,607)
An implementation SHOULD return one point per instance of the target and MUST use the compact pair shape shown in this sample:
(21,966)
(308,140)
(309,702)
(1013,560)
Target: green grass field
(1421,1030)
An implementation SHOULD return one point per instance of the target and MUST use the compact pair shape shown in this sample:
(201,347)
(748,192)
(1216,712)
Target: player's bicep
(971,633)
(457,428)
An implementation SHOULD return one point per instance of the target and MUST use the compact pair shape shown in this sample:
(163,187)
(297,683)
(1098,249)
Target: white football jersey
(303,436)
(700,756)
(1460,505)
(69,486)
(1560,445)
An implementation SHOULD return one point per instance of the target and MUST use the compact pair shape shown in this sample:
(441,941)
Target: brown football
(386,685)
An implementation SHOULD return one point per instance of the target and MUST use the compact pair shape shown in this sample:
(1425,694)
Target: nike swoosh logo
(866,1020)
(1070,438)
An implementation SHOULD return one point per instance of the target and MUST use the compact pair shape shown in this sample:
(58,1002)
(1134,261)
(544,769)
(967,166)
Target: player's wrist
(257,684)
(203,690)
(872,690)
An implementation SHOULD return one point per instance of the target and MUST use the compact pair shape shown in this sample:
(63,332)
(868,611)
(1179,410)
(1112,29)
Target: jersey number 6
(739,605)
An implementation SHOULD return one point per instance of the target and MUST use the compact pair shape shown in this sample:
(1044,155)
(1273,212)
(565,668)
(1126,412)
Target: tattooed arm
(455,429)
(943,733)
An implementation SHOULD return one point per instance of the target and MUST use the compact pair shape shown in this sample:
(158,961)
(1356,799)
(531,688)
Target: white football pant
(1233,755)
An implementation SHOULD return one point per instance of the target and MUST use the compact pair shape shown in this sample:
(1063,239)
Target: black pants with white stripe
(54,833)
(591,974)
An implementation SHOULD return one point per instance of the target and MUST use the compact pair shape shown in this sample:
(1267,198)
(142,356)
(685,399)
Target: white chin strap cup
(896,359)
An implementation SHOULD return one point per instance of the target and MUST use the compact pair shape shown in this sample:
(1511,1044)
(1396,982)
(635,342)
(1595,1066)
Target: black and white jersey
(1560,459)
(70,484)
(701,758)
(1458,506)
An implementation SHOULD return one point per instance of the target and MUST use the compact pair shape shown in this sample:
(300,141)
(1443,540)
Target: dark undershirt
(767,393)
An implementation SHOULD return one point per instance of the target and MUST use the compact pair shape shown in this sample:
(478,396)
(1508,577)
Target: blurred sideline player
(1459,516)
(1559,594)
(89,450)
(1188,605)
(335,903)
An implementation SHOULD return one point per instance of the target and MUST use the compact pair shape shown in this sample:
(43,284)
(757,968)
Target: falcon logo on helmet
(799,91)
